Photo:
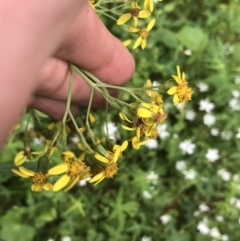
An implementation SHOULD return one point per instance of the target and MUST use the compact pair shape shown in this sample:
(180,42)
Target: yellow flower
(111,163)
(182,93)
(151,114)
(39,179)
(143,34)
(109,171)
(75,170)
(135,13)
(137,143)
(27,154)
(112,156)
(155,96)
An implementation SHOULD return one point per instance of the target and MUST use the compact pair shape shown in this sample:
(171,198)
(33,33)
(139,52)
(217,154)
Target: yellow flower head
(143,34)
(134,13)
(182,93)
(75,170)
(39,179)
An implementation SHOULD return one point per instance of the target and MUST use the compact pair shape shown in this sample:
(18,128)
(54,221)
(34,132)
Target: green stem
(81,136)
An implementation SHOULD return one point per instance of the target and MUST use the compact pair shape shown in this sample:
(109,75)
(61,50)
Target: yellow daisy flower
(75,170)
(111,163)
(143,34)
(182,93)
(39,179)
(134,13)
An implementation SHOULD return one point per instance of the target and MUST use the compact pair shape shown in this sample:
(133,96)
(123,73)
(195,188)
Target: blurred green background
(185,187)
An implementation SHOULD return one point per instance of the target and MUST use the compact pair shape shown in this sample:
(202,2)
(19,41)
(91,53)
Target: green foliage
(203,37)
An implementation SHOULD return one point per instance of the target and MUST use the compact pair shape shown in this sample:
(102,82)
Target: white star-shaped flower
(203,228)
(209,119)
(203,87)
(152,144)
(212,155)
(190,115)
(187,147)
(206,105)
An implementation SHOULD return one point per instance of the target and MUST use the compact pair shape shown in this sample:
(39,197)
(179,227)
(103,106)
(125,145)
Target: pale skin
(37,40)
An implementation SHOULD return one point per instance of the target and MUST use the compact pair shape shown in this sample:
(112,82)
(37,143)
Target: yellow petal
(72,183)
(47,186)
(148,4)
(127,42)
(133,30)
(128,128)
(91,118)
(135,21)
(124,146)
(20,173)
(58,169)
(124,18)
(101,158)
(137,43)
(36,188)
(151,24)
(178,72)
(144,113)
(26,171)
(144,14)
(20,158)
(61,183)
(175,99)
(99,176)
(144,44)
(172,90)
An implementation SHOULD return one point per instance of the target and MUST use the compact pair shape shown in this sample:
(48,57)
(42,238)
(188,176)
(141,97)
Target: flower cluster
(98,153)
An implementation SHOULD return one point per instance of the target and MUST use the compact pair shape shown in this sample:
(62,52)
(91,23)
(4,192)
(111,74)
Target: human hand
(38,40)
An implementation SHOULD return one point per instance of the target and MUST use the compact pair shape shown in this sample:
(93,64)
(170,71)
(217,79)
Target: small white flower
(238,134)
(84,181)
(50,239)
(226,135)
(190,115)
(225,175)
(187,147)
(212,155)
(165,218)
(209,119)
(203,228)
(152,177)
(203,87)
(162,131)
(214,233)
(237,204)
(236,93)
(152,144)
(147,194)
(237,79)
(206,105)
(155,83)
(145,238)
(180,165)
(214,132)
(110,128)
(233,201)
(220,219)
(37,141)
(234,104)
(66,238)
(187,52)
(74,139)
(224,237)
(190,174)
(236,177)
(203,207)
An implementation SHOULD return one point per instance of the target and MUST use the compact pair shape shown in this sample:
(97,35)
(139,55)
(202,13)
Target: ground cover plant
(171,173)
